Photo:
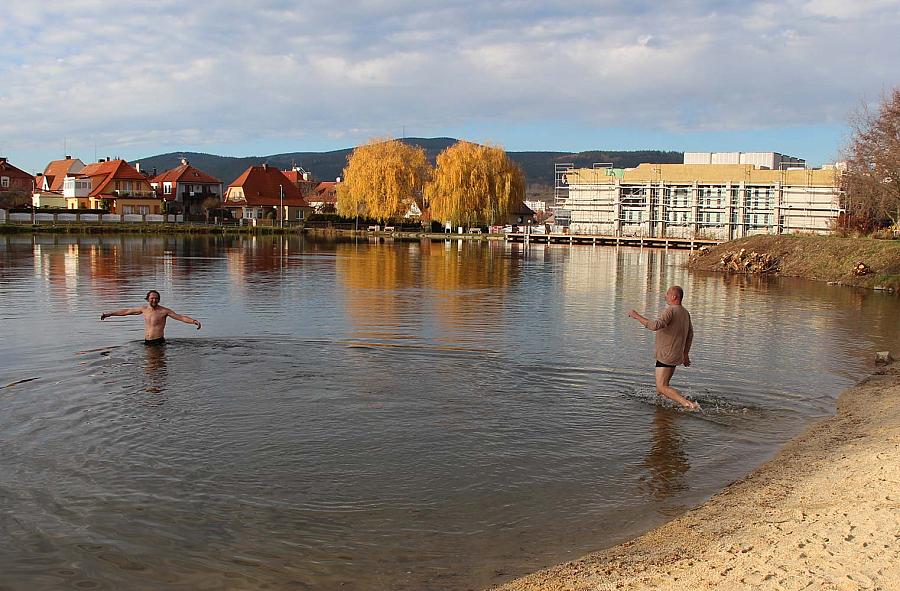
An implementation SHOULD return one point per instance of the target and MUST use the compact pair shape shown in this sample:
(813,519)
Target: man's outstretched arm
(638,317)
(122,312)
(185,319)
(657,324)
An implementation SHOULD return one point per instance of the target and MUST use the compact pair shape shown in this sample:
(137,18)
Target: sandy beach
(823,514)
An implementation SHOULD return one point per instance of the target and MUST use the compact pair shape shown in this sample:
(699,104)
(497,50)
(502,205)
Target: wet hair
(147,297)
(679,291)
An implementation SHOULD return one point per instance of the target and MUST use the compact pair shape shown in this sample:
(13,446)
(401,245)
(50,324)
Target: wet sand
(823,514)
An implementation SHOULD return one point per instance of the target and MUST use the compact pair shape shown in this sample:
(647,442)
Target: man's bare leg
(663,375)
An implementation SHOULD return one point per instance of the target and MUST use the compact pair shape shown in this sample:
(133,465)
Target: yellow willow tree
(474,184)
(381,180)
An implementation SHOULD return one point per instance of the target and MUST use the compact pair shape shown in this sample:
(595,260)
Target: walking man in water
(674,335)
(154,318)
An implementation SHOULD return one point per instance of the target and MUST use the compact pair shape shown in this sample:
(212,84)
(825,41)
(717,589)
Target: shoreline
(824,513)
(167,229)
(854,262)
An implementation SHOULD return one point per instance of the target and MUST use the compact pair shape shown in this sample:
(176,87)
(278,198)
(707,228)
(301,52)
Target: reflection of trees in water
(473,277)
(377,281)
(666,461)
(384,284)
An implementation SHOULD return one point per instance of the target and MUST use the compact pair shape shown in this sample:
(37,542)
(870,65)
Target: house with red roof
(49,185)
(265,193)
(302,179)
(15,184)
(189,188)
(324,197)
(116,186)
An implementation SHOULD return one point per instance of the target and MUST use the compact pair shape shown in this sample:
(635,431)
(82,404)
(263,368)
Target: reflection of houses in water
(247,257)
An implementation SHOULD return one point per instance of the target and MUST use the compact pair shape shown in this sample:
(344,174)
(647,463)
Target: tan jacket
(674,332)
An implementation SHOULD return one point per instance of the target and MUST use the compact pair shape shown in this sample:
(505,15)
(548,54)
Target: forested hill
(538,166)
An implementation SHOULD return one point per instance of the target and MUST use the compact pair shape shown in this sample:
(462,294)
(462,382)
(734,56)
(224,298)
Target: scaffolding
(721,210)
(561,192)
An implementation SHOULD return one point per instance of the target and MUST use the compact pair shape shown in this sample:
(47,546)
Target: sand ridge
(823,514)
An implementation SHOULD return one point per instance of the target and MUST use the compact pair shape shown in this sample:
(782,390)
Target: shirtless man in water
(154,318)
(674,335)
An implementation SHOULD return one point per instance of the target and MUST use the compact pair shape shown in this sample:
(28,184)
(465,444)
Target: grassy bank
(822,258)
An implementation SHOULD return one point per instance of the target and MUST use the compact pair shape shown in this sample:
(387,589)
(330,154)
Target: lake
(381,415)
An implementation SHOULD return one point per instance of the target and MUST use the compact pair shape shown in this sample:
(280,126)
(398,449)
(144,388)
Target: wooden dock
(641,241)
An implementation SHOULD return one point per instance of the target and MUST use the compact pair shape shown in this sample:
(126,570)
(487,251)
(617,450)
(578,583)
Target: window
(634,197)
(167,188)
(4,181)
(136,209)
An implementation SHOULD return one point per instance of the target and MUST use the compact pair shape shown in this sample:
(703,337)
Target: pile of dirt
(863,262)
(748,262)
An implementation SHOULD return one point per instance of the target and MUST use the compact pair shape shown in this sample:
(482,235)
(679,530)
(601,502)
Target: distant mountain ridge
(326,166)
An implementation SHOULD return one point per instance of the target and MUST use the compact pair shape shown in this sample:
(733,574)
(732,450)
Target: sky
(96,78)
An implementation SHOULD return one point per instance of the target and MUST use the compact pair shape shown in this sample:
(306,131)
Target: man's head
(674,295)
(152,298)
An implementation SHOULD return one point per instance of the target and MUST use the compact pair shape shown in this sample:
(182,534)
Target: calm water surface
(415,415)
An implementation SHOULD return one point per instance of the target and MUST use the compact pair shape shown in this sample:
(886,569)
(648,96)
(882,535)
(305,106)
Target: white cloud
(163,72)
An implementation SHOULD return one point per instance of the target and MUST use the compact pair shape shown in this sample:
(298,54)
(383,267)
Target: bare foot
(691,406)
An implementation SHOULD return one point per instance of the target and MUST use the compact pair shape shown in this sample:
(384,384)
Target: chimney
(68,157)
(137,166)
(184,161)
(337,180)
(101,160)
(2,158)
(305,176)
(265,166)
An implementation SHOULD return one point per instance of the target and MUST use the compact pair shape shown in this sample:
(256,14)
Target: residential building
(15,184)
(264,192)
(520,214)
(717,201)
(302,179)
(114,185)
(49,185)
(323,198)
(536,206)
(188,188)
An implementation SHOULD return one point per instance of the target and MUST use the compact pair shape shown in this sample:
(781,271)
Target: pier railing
(648,241)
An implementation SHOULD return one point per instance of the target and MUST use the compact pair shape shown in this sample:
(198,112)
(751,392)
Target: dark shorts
(152,342)
(661,364)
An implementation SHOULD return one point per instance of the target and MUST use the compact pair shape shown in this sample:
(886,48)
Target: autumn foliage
(474,184)
(381,180)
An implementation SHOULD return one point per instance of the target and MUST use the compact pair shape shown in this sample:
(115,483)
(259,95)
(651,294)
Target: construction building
(714,201)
